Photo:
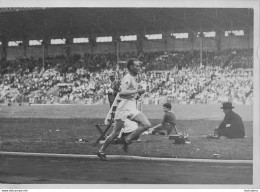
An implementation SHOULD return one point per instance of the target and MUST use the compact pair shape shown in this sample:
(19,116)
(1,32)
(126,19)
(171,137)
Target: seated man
(168,123)
(232,126)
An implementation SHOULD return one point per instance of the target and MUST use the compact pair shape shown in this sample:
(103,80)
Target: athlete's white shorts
(126,110)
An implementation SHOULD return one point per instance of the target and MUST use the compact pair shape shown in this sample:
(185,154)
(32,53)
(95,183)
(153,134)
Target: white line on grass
(125,157)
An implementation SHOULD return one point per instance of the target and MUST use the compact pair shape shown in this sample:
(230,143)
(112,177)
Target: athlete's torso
(128,83)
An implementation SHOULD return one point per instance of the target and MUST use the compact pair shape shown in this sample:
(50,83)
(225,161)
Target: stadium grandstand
(65,55)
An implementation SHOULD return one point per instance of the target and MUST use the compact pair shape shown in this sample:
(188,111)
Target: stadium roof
(33,23)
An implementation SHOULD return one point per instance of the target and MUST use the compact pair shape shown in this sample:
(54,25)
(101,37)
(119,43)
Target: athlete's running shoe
(102,156)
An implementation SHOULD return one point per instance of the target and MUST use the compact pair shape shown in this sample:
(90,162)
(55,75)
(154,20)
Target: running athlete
(127,109)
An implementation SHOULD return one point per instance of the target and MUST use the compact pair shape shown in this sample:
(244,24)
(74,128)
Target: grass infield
(54,129)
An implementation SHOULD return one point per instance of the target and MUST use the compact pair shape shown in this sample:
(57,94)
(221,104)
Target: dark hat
(227,105)
(167,105)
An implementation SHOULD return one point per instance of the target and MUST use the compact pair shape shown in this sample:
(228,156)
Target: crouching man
(232,126)
(168,123)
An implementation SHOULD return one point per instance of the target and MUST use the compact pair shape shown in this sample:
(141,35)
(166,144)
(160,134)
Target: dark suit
(232,126)
(111,96)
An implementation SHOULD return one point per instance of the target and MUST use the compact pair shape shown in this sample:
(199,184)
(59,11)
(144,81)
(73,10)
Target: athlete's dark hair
(130,62)
(167,105)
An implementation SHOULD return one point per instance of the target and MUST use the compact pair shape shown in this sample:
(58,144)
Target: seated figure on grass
(168,122)
(232,126)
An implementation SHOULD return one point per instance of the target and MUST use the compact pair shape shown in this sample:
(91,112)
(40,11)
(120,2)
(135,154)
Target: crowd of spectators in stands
(173,75)
(200,85)
(238,58)
(235,84)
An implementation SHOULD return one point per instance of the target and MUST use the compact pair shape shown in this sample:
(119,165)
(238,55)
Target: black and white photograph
(129,94)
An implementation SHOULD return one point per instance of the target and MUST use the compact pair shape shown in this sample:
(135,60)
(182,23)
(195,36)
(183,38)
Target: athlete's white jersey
(127,106)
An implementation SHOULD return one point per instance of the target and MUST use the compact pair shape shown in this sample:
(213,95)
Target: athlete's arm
(131,92)
(157,126)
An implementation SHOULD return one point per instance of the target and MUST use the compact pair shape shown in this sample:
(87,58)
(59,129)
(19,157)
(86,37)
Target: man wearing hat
(232,126)
(114,88)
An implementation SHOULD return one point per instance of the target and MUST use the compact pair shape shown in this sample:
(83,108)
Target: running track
(64,170)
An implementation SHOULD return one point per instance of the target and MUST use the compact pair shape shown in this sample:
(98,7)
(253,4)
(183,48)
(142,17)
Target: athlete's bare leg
(144,126)
(119,124)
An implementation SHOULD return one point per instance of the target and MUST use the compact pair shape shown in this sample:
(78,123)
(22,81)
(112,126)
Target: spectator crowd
(175,75)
